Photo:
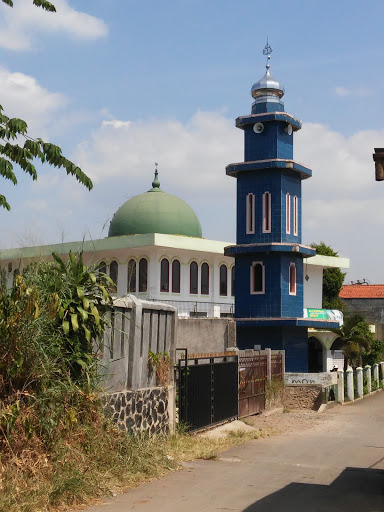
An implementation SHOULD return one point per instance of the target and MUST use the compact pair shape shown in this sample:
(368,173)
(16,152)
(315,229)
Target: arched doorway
(315,355)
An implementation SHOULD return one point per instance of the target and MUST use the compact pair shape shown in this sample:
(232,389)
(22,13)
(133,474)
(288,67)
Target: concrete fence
(355,384)
(134,397)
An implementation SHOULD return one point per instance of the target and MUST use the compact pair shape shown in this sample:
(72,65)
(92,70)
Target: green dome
(155,211)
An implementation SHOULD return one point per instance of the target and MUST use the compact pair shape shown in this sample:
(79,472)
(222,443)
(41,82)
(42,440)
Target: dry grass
(93,460)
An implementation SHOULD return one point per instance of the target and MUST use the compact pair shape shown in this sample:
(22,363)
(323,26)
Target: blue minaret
(269,251)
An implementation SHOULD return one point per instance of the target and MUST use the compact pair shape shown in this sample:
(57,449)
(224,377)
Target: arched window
(288,214)
(257,278)
(292,279)
(223,280)
(295,216)
(176,276)
(193,278)
(266,212)
(114,271)
(131,284)
(164,275)
(250,214)
(233,281)
(143,275)
(102,267)
(205,279)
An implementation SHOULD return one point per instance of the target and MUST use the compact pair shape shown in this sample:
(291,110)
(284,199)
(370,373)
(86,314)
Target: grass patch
(95,459)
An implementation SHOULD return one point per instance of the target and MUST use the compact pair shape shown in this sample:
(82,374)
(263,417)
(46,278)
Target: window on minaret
(295,216)
(143,275)
(250,214)
(193,278)
(233,281)
(131,285)
(288,214)
(176,276)
(114,271)
(257,278)
(223,280)
(266,212)
(164,275)
(205,279)
(292,279)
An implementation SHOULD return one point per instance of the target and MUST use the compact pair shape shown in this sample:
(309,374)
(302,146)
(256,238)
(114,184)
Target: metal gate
(252,381)
(207,389)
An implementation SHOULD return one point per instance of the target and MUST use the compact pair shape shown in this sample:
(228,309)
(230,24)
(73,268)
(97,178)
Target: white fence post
(367,372)
(382,374)
(376,375)
(359,379)
(340,386)
(269,364)
(350,393)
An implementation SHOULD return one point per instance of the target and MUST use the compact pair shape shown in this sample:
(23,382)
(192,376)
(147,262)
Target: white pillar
(340,386)
(359,378)
(269,364)
(382,374)
(376,375)
(349,376)
(367,375)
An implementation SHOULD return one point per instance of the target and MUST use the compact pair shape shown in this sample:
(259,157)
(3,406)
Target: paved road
(336,466)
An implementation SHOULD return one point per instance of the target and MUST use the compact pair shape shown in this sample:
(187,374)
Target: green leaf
(82,363)
(65,326)
(58,260)
(92,277)
(87,333)
(80,292)
(74,322)
(95,313)
(84,314)
(85,303)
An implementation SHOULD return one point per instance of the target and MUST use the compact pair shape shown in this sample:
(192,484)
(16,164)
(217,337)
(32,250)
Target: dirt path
(329,462)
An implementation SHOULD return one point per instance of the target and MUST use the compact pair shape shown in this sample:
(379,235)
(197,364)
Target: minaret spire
(267,50)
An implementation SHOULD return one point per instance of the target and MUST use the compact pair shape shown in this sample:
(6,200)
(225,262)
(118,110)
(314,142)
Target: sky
(121,84)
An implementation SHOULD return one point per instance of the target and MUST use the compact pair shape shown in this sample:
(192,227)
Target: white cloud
(21,25)
(22,96)
(115,123)
(344,92)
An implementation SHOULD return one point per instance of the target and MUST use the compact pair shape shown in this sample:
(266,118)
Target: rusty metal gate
(207,389)
(252,381)
(277,366)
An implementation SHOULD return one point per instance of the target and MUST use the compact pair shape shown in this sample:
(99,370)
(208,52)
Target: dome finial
(267,50)
(156,182)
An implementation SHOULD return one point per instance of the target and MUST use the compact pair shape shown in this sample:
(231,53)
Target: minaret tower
(269,252)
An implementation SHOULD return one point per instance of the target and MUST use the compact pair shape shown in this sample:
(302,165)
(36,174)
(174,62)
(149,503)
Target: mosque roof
(155,211)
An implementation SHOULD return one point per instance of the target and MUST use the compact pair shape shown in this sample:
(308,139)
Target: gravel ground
(284,421)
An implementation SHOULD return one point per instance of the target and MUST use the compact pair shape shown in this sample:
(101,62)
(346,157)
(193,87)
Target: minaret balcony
(261,165)
(243,121)
(299,249)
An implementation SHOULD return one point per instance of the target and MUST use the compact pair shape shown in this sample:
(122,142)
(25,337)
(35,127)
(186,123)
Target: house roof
(362,291)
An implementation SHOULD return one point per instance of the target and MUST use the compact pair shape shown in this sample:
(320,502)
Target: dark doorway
(315,356)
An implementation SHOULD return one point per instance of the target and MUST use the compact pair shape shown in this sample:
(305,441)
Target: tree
(333,279)
(356,337)
(12,129)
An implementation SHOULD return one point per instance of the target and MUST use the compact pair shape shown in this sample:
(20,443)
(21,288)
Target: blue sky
(120,84)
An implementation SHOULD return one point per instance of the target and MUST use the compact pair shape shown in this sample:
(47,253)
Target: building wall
(202,335)
(313,287)
(373,310)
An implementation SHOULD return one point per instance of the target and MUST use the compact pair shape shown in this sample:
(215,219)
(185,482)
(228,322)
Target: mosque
(269,281)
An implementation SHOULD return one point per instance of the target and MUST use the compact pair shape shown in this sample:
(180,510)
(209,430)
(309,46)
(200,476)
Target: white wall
(313,287)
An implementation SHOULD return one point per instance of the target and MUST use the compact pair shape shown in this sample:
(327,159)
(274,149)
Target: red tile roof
(362,291)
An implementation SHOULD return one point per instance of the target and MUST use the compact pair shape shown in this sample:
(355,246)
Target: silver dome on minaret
(267,89)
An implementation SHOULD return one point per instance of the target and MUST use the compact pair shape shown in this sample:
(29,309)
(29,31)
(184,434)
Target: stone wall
(143,410)
(303,397)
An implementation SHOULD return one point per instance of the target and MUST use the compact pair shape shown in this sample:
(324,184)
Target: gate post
(350,394)
(268,352)
(359,379)
(340,386)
